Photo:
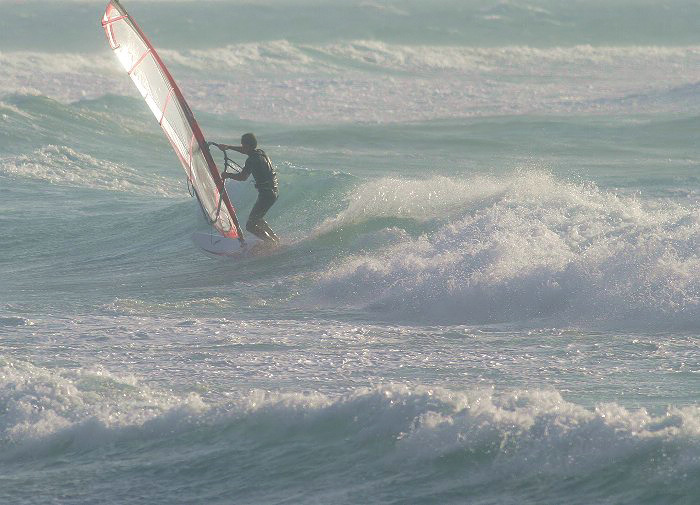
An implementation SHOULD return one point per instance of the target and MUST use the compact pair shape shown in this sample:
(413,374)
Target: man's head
(249,142)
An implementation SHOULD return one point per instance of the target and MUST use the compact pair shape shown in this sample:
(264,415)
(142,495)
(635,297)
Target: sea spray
(536,247)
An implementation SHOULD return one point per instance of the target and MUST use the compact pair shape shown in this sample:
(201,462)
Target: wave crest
(536,247)
(63,165)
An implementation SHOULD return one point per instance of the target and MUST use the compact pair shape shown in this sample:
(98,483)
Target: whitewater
(489,285)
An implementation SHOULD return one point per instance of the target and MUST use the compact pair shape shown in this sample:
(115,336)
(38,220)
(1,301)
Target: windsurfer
(258,164)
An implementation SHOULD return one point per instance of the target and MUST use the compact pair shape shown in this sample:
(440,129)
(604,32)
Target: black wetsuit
(259,165)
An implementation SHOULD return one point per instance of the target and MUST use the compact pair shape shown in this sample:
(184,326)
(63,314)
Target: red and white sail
(158,88)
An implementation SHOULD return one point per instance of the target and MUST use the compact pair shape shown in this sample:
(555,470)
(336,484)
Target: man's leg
(256,224)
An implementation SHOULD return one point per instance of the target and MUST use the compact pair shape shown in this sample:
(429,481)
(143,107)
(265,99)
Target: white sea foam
(273,57)
(533,247)
(366,80)
(38,403)
(63,76)
(89,404)
(63,165)
(510,59)
(376,81)
(503,433)
(476,434)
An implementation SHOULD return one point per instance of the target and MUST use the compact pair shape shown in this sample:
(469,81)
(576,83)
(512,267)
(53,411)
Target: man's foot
(264,233)
(271,236)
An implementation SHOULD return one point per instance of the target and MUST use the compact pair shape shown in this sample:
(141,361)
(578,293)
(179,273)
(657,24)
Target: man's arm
(241,176)
(225,147)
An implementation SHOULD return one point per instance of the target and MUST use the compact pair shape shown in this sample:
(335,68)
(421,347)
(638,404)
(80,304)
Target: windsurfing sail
(141,61)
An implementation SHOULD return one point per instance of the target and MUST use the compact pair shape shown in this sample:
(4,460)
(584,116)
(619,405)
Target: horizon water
(489,285)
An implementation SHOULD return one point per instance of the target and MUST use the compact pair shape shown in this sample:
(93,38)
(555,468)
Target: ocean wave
(391,197)
(39,403)
(518,59)
(62,165)
(368,80)
(63,76)
(416,441)
(530,246)
(283,56)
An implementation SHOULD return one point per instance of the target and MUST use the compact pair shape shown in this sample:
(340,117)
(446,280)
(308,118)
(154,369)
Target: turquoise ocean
(489,288)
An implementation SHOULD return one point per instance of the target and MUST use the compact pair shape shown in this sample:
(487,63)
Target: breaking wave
(366,80)
(65,166)
(405,441)
(528,246)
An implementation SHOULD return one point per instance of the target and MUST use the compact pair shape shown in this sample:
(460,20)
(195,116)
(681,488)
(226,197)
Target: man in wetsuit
(265,178)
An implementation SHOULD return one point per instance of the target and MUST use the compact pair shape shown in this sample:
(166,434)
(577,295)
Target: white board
(213,243)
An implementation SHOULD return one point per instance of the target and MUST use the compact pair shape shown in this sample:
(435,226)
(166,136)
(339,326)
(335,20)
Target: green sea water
(489,285)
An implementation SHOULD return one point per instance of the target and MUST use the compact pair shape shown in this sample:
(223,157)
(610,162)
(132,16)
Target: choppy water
(489,291)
